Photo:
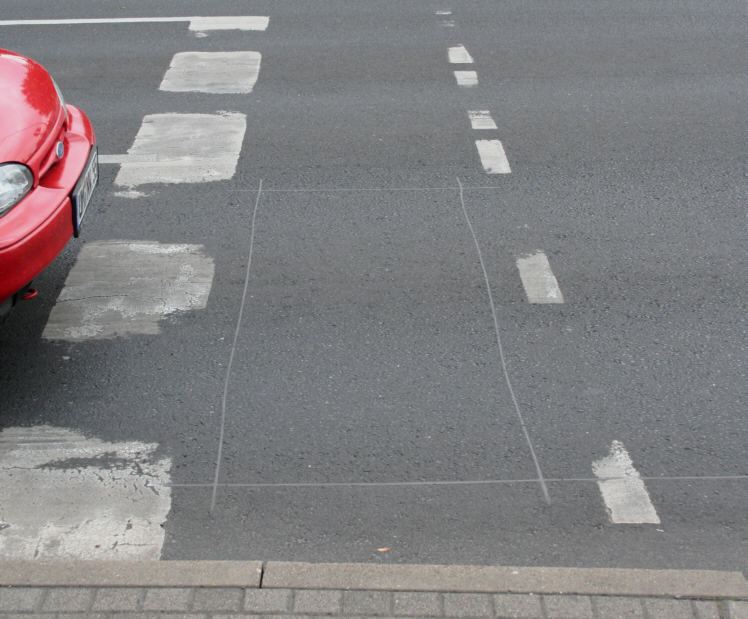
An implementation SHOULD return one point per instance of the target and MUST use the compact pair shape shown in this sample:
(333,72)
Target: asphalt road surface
(425,281)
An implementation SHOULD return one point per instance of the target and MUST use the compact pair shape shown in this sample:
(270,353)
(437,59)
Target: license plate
(84,188)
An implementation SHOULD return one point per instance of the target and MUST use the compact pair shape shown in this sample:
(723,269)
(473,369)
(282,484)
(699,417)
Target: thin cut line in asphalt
(477,482)
(233,350)
(508,380)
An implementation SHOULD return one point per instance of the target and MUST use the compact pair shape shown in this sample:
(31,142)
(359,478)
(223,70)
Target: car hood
(29,107)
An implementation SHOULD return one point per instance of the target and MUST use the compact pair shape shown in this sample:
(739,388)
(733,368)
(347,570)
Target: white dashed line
(622,488)
(466,79)
(233,22)
(241,22)
(538,279)
(213,72)
(184,148)
(66,496)
(481,119)
(493,157)
(443,12)
(118,288)
(459,55)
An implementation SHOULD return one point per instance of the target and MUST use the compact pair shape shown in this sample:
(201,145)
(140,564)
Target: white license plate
(84,188)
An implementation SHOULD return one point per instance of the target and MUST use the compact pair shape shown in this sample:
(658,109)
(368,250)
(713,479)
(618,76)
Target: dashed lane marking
(443,12)
(184,148)
(623,490)
(459,55)
(65,496)
(212,72)
(481,119)
(119,288)
(220,22)
(466,79)
(538,279)
(493,157)
(233,22)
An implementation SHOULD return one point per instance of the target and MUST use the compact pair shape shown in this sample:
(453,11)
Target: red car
(48,171)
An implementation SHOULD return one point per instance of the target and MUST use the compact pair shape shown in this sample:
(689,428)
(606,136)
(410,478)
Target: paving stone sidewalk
(236,589)
(220,602)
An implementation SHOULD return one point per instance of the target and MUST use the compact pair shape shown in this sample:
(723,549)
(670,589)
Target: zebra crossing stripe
(120,288)
(184,148)
(212,72)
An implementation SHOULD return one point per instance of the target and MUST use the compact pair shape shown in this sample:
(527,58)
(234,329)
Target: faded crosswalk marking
(65,496)
(119,288)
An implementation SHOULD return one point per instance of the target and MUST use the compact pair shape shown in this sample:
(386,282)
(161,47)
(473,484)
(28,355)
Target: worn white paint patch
(622,488)
(443,12)
(234,22)
(184,148)
(212,72)
(539,281)
(130,194)
(118,288)
(493,157)
(448,23)
(481,119)
(65,496)
(111,159)
(458,54)
(466,79)
(118,159)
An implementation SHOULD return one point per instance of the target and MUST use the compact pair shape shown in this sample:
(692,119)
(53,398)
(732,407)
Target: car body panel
(32,114)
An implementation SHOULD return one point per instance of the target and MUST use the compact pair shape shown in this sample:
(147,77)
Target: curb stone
(694,584)
(191,589)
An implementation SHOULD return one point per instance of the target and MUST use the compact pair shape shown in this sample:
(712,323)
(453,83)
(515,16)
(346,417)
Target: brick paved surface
(214,602)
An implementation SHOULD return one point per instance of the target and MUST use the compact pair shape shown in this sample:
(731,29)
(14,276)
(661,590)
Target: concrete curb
(697,584)
(131,573)
(701,584)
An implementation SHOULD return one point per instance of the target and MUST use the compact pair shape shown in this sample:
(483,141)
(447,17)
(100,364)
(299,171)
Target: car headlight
(16,181)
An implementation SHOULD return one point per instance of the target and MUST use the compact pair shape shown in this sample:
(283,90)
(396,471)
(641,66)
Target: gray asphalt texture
(367,353)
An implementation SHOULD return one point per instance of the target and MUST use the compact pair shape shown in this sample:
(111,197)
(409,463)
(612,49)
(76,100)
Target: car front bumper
(38,227)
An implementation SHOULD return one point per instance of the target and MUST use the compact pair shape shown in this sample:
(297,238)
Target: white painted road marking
(234,22)
(466,79)
(481,119)
(118,288)
(114,159)
(493,157)
(622,488)
(213,72)
(443,12)
(184,148)
(538,279)
(65,496)
(459,55)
